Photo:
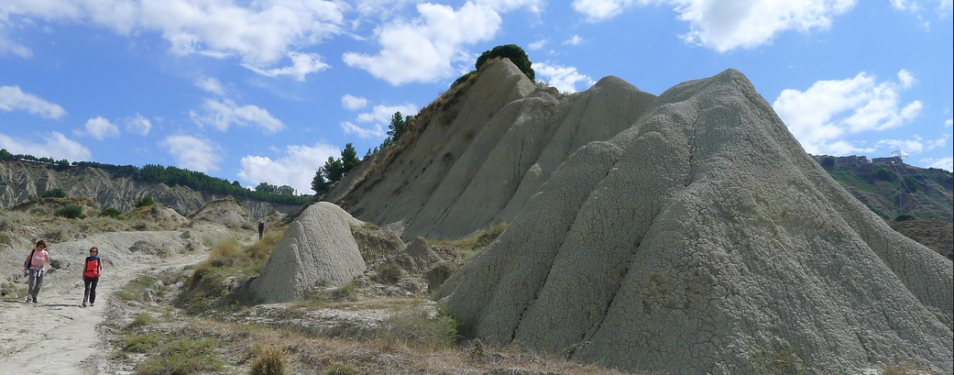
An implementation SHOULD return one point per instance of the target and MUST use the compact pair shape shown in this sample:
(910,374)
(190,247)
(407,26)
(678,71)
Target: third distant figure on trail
(91,272)
(261,228)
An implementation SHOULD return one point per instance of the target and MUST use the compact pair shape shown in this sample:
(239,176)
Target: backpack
(29,260)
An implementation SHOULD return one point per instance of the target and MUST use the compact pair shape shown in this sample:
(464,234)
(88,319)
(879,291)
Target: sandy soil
(56,335)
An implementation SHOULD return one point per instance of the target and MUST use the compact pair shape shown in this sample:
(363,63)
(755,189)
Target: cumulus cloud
(573,41)
(949,123)
(138,125)
(8,46)
(302,65)
(193,153)
(210,85)
(101,128)
(53,145)
(259,33)
(913,146)
(376,121)
(564,78)
(538,44)
(942,163)
(295,168)
(353,103)
(725,25)
(223,114)
(824,116)
(423,49)
(14,99)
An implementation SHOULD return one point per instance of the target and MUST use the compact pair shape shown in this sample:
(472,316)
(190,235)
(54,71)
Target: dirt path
(57,336)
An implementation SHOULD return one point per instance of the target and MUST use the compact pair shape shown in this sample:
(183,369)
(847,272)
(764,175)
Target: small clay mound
(224,211)
(704,240)
(165,217)
(317,249)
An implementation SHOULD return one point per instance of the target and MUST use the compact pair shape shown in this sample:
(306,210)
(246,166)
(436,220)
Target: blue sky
(265,90)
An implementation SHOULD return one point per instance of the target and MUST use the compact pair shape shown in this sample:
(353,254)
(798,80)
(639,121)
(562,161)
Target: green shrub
(341,369)
(71,211)
(141,320)
(141,343)
(53,193)
(113,213)
(389,273)
(145,201)
(513,52)
(269,361)
(182,356)
(134,290)
(905,217)
(421,330)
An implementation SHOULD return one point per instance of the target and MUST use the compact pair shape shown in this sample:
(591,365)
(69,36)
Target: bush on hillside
(145,201)
(53,193)
(71,211)
(112,212)
(513,52)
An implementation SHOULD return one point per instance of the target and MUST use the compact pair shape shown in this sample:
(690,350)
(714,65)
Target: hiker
(91,272)
(261,228)
(35,266)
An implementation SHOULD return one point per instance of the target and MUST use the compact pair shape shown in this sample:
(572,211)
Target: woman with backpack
(35,266)
(91,271)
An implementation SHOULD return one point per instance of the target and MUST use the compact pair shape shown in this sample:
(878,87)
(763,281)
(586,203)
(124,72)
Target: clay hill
(19,180)
(687,233)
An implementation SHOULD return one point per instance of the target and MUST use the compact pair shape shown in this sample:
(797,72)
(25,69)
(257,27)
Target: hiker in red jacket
(93,268)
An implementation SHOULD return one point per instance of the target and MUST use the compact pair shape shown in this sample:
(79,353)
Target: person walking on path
(91,272)
(35,266)
(261,228)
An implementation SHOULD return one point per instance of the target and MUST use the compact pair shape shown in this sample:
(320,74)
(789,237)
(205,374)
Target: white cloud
(210,85)
(905,5)
(422,50)
(223,114)
(378,119)
(375,131)
(533,6)
(139,125)
(353,103)
(55,145)
(296,168)
(725,25)
(8,46)
(573,41)
(192,153)
(949,123)
(14,99)
(537,45)
(942,163)
(302,65)
(101,128)
(906,78)
(259,33)
(564,78)
(823,117)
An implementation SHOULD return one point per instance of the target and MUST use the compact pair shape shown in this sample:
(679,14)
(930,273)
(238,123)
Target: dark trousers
(90,293)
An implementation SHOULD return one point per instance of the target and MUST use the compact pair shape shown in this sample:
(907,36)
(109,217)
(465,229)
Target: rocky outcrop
(20,180)
(225,211)
(317,249)
(703,239)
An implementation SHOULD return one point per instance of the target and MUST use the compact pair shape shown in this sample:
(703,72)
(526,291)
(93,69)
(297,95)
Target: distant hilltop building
(855,160)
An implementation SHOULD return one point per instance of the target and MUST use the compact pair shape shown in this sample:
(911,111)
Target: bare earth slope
(479,161)
(703,239)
